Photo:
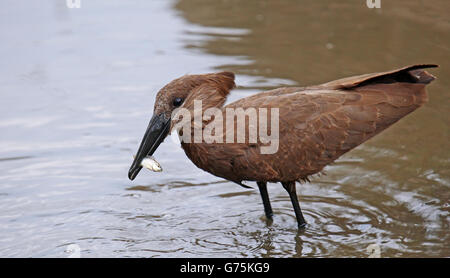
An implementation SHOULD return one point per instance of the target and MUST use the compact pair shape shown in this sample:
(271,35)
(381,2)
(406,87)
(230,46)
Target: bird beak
(157,130)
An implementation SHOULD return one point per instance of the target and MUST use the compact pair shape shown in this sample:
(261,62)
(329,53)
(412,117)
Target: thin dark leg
(265,198)
(290,188)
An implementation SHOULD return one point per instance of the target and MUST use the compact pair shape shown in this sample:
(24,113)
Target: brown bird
(317,124)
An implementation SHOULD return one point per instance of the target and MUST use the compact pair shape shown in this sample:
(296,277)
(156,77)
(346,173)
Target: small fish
(150,163)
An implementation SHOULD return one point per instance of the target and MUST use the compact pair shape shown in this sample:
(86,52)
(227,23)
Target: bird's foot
(267,219)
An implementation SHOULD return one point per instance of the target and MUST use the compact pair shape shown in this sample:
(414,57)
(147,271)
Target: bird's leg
(290,188)
(265,198)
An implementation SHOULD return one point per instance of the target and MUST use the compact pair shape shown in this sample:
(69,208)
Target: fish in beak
(157,130)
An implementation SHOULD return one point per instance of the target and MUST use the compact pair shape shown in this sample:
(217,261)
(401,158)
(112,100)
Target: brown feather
(317,124)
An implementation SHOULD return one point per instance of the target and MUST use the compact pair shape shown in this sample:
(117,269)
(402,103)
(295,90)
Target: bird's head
(178,93)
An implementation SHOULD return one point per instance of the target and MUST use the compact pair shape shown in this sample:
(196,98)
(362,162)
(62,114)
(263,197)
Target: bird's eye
(177,101)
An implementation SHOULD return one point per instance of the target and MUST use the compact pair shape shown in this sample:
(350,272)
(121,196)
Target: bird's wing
(319,124)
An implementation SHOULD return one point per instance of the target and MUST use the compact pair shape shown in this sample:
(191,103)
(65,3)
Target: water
(77,89)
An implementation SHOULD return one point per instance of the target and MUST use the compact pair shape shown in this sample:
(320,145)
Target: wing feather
(317,124)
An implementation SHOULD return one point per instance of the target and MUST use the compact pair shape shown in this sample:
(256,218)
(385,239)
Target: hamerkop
(317,124)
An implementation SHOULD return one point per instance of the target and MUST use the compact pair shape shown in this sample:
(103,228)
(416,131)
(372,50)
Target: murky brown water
(77,89)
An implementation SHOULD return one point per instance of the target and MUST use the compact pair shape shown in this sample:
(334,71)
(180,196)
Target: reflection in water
(77,92)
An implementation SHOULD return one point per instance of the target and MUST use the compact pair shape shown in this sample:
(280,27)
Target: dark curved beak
(157,130)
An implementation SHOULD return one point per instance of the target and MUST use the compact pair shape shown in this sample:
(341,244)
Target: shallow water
(77,88)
